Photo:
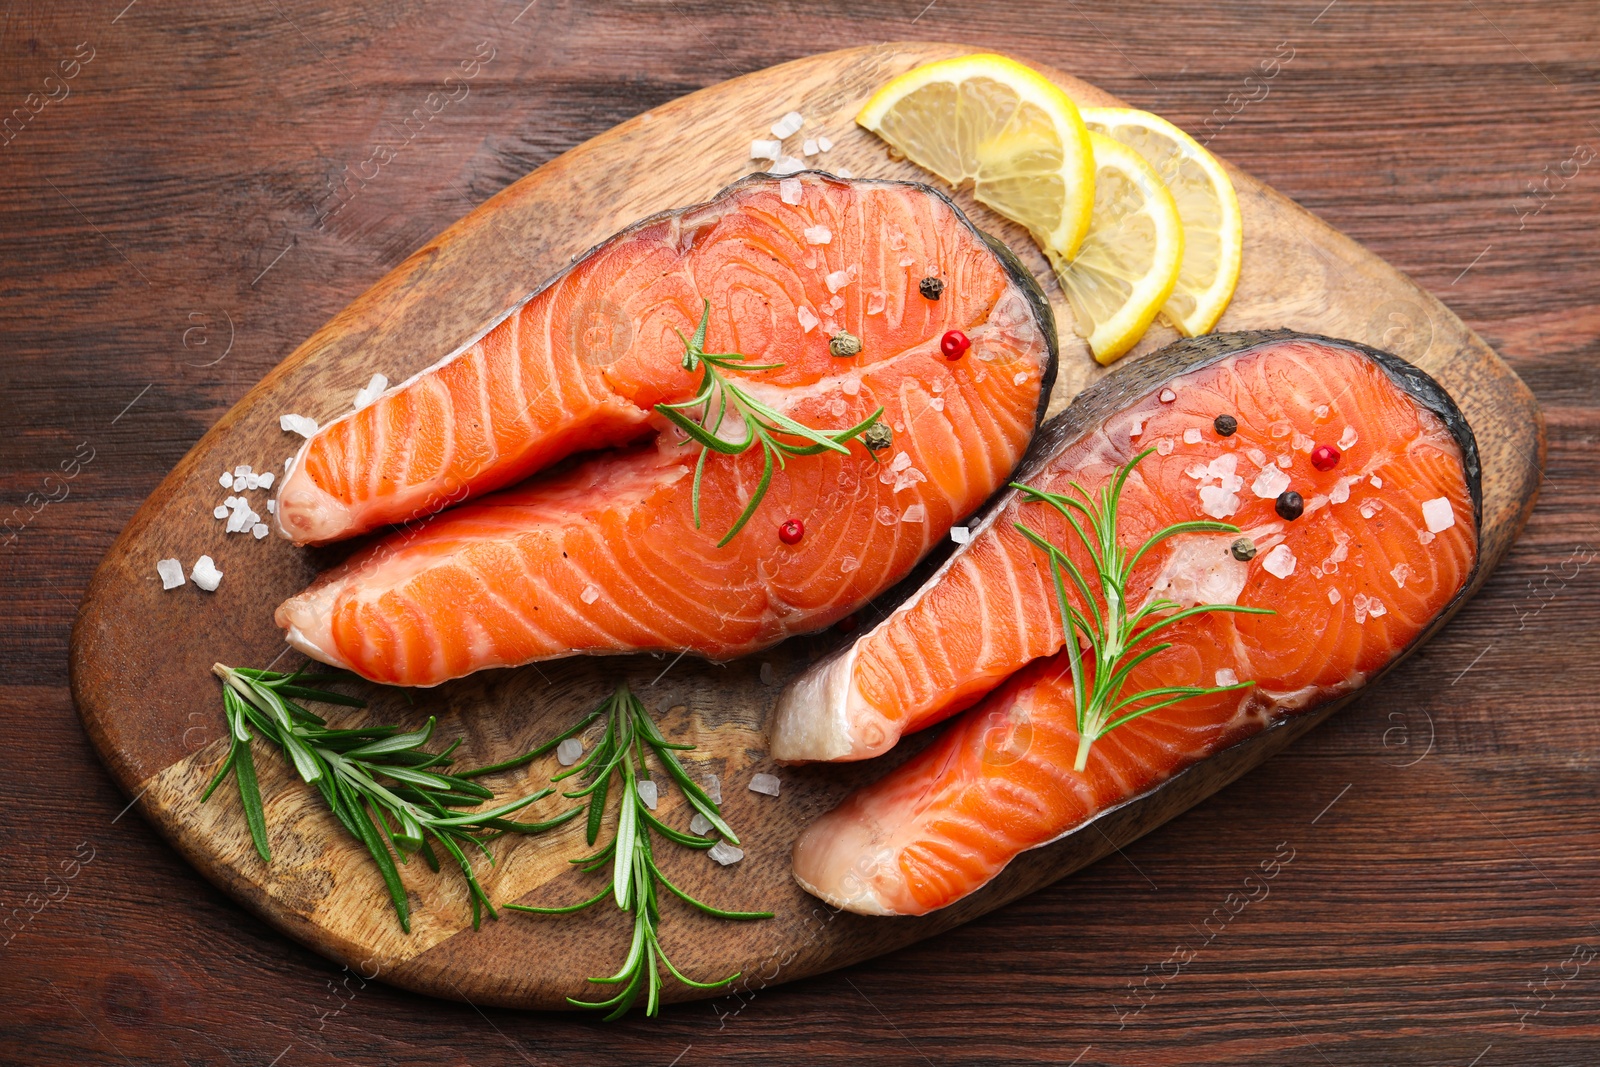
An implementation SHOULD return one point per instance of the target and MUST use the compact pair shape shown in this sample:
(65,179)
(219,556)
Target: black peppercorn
(1289,505)
(1226,425)
(1244,550)
(932,288)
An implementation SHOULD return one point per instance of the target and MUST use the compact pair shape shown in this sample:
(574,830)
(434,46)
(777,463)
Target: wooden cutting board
(141,657)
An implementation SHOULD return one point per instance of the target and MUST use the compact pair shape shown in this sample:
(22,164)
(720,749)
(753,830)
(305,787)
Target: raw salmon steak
(1384,549)
(602,554)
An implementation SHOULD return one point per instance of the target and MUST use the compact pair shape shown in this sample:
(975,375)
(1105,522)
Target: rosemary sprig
(620,758)
(379,783)
(702,417)
(1112,633)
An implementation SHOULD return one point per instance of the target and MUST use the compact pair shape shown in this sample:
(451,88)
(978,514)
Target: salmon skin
(1384,551)
(602,554)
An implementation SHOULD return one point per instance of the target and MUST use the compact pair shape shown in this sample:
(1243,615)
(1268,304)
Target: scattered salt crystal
(1376,482)
(768,675)
(1164,446)
(714,788)
(937,403)
(1136,429)
(1400,572)
(1302,443)
(1425,536)
(1340,553)
(938,386)
(240,472)
(1168,396)
(766,784)
(1222,469)
(836,280)
(1258,457)
(788,125)
(220,511)
(589,595)
(1227,677)
(288,465)
(886,516)
(877,300)
(1340,491)
(1285,462)
(699,825)
(901,461)
(1320,411)
(844,172)
(259,530)
(1191,436)
(1375,607)
(171,572)
(1217,501)
(915,513)
(906,261)
(1438,514)
(1279,562)
(766,149)
(837,406)
(725,853)
(1282,428)
(1360,603)
(817,235)
(1347,438)
(808,318)
(809,148)
(787,165)
(371,391)
(851,386)
(1019,377)
(830,327)
(960,534)
(1334,596)
(790,190)
(1196,471)
(265,479)
(226,479)
(849,564)
(824,142)
(297,424)
(569,751)
(1370,508)
(205,574)
(272,507)
(252,481)
(649,793)
(1270,483)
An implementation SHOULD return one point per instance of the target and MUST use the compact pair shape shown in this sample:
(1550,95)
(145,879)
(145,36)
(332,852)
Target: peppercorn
(932,288)
(954,345)
(844,345)
(877,437)
(1244,550)
(1226,425)
(791,532)
(1325,457)
(1289,505)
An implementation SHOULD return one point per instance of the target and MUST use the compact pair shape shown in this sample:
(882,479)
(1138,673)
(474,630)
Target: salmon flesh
(1384,550)
(601,554)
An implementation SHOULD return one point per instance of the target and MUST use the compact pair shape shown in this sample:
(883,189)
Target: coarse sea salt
(205,574)
(226,479)
(699,825)
(259,530)
(849,564)
(817,235)
(1168,396)
(1164,446)
(371,391)
(1320,411)
(1279,562)
(1370,508)
(1302,443)
(1217,501)
(265,479)
(714,788)
(1438,514)
(1400,572)
(1282,428)
(877,300)
(1258,457)
(824,142)
(297,424)
(915,513)
(790,191)
(808,318)
(1376,482)
(221,511)
(649,793)
(787,165)
(725,853)
(1270,483)
(851,386)
(1019,377)
(171,572)
(1285,462)
(836,280)
(788,126)
(1340,491)
(885,516)
(844,172)
(589,595)
(1334,596)
(766,784)
(1191,436)
(569,751)
(1226,677)
(1347,439)
(760,149)
(960,534)
(809,147)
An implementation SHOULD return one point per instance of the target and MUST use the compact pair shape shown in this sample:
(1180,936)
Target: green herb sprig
(391,795)
(702,417)
(1113,634)
(620,759)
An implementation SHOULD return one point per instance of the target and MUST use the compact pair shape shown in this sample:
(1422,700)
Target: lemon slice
(991,121)
(1213,237)
(1128,263)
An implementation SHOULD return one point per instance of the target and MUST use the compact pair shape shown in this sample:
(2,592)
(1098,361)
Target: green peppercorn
(844,345)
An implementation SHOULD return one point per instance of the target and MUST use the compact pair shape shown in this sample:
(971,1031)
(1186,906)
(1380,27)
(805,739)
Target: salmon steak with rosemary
(1235,530)
(727,424)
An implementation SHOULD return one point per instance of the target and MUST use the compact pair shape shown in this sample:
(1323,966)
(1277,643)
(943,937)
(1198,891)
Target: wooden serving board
(141,657)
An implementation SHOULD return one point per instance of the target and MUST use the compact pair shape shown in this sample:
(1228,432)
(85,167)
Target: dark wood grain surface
(176,196)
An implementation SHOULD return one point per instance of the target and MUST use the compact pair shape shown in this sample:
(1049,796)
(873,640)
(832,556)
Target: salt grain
(886,516)
(877,300)
(787,165)
(226,479)
(220,511)
(808,318)
(1375,607)
(849,564)
(1019,377)
(1302,443)
(171,572)
(851,386)
(1347,438)
(915,513)
(937,403)
(272,507)
(1191,436)
(788,126)
(1334,596)
(1136,429)
(297,424)
(1258,457)
(259,530)
(205,574)
(824,142)
(1285,462)
(768,675)
(1227,677)
(1370,508)
(1218,502)
(1376,482)
(725,853)
(766,149)
(844,172)
(1320,411)
(960,534)
(1282,428)
(790,190)
(265,479)
(649,793)
(1279,562)
(714,788)
(371,391)
(1168,396)
(907,261)
(1340,491)
(766,784)
(817,235)
(1438,514)
(836,280)
(569,751)
(589,595)
(1270,483)
(809,148)
(699,825)
(1400,572)
(1359,602)
(1425,537)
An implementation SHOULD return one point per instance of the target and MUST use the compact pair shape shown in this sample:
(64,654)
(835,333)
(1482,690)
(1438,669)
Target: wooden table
(168,233)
